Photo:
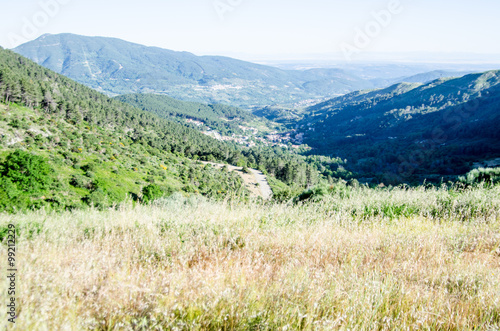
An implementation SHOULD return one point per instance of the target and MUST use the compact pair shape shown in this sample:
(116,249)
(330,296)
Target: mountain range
(114,66)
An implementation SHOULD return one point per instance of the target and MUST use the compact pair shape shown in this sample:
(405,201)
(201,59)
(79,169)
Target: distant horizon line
(409,57)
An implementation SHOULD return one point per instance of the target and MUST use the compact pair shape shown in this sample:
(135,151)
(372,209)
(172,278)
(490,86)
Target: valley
(381,118)
(152,189)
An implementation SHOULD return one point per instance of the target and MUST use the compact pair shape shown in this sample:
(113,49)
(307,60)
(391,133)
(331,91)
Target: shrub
(19,124)
(151,192)
(98,198)
(91,166)
(28,172)
(284,194)
(8,193)
(486,175)
(315,194)
(81,182)
(246,170)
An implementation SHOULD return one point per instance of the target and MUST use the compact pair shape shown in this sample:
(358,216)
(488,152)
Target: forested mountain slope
(410,131)
(225,119)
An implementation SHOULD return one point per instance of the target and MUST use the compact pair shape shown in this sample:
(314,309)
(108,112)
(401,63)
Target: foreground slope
(409,130)
(115,67)
(400,259)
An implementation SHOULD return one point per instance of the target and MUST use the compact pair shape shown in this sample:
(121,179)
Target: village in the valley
(251,136)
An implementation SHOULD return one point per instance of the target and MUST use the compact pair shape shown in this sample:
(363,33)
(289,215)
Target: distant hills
(410,130)
(114,66)
(428,77)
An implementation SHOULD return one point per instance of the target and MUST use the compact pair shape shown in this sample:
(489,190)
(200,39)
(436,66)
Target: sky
(267,29)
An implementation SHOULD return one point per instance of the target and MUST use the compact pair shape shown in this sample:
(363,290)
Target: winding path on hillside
(256,182)
(265,188)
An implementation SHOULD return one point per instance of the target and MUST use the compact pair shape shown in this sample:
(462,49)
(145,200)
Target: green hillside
(97,150)
(69,146)
(411,131)
(116,67)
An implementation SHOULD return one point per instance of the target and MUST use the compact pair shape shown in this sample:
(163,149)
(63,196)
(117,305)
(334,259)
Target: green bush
(8,194)
(284,194)
(314,194)
(97,198)
(28,172)
(19,124)
(482,175)
(151,192)
(90,167)
(24,179)
(81,182)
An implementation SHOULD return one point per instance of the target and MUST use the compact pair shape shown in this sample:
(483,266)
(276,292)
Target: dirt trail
(255,182)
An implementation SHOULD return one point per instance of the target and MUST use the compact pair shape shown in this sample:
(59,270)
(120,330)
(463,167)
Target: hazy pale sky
(271,28)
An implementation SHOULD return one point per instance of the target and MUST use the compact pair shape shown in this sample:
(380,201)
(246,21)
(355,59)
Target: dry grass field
(402,259)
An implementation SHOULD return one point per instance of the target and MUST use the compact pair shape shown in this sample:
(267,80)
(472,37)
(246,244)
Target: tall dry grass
(374,260)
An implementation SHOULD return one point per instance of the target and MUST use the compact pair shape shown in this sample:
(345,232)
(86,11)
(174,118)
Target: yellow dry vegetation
(192,264)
